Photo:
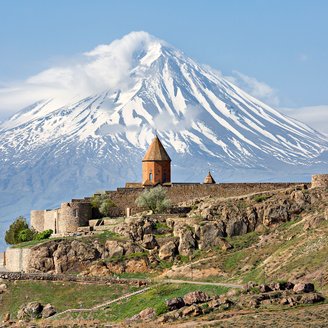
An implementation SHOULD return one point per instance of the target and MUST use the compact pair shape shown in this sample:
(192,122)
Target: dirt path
(204,283)
(102,304)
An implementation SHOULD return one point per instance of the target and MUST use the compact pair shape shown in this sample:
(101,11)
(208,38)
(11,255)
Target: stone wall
(319,181)
(50,220)
(78,212)
(180,192)
(37,220)
(2,259)
(17,259)
(73,215)
(12,276)
(67,218)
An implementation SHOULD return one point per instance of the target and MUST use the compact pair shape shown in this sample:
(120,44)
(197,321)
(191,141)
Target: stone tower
(156,165)
(209,179)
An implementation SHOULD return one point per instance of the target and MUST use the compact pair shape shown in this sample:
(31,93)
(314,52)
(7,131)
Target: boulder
(311,298)
(6,317)
(147,314)
(175,303)
(114,249)
(196,297)
(48,311)
(149,241)
(303,288)
(187,242)
(30,311)
(209,234)
(168,251)
(3,288)
(275,213)
(137,265)
(192,311)
(265,288)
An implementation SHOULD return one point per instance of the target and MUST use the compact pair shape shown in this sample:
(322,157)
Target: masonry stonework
(17,259)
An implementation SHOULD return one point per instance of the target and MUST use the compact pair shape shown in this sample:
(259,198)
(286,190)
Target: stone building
(156,165)
(156,169)
(209,179)
(65,219)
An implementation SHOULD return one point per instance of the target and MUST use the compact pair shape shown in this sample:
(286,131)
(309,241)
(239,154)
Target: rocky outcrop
(62,256)
(251,296)
(168,250)
(35,310)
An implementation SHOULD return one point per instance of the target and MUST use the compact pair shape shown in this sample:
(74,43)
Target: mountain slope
(87,138)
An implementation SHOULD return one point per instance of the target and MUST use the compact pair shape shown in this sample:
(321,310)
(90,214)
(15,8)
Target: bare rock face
(62,256)
(196,297)
(30,311)
(187,242)
(168,251)
(137,265)
(303,288)
(48,311)
(3,288)
(175,303)
(192,311)
(149,241)
(209,234)
(113,248)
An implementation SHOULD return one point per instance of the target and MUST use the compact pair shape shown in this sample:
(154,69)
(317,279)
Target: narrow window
(164,177)
(150,176)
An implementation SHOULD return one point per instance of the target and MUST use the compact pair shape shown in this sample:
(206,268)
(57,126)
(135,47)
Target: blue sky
(281,44)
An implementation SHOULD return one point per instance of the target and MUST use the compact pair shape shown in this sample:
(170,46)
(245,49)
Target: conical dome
(156,152)
(209,179)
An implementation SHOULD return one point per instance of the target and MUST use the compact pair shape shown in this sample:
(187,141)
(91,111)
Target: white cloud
(165,122)
(314,116)
(105,67)
(256,88)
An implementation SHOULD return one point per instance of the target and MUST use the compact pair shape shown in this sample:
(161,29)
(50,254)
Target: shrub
(154,199)
(102,203)
(12,234)
(261,198)
(26,235)
(43,235)
(105,207)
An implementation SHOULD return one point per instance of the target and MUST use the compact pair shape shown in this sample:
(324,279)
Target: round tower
(73,215)
(156,165)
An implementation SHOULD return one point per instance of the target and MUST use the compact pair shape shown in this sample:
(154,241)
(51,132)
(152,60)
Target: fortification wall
(17,259)
(73,215)
(2,259)
(37,220)
(125,197)
(319,181)
(50,220)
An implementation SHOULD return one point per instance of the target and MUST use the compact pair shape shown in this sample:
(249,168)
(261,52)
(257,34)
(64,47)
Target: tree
(154,199)
(105,207)
(26,235)
(13,233)
(103,204)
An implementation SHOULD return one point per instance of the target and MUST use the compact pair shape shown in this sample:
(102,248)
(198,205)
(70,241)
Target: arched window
(150,176)
(164,177)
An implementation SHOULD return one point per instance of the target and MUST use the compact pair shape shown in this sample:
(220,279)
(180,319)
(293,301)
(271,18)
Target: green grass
(232,261)
(261,198)
(36,242)
(62,295)
(154,298)
(243,241)
(107,235)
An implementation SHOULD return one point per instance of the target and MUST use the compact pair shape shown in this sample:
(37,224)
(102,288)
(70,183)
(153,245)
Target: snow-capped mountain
(93,132)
